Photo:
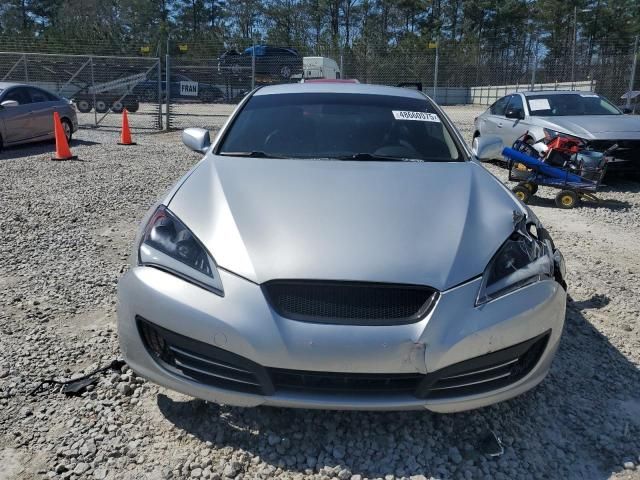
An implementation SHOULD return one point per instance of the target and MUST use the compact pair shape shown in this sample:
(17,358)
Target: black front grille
(349,303)
(488,372)
(203,363)
(345,383)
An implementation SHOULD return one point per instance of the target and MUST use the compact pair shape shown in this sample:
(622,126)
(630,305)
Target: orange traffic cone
(125,135)
(62,146)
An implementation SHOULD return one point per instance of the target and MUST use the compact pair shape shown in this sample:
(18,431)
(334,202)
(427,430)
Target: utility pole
(573,50)
(633,72)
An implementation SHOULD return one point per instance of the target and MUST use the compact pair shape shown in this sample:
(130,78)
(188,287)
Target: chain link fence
(100,86)
(191,89)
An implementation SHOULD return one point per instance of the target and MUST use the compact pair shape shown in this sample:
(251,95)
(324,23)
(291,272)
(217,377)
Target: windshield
(336,125)
(564,104)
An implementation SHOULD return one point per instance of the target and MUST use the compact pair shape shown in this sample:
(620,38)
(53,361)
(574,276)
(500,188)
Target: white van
(320,67)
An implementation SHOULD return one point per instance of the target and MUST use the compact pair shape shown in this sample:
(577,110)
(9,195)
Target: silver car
(337,247)
(26,114)
(546,114)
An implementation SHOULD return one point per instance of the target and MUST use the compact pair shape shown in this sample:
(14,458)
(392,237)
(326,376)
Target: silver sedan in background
(592,119)
(26,114)
(337,247)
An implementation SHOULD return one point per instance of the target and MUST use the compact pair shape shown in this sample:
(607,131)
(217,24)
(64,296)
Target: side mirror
(487,148)
(197,139)
(516,113)
(9,103)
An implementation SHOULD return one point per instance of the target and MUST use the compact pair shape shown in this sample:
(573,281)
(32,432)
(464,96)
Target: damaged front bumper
(236,350)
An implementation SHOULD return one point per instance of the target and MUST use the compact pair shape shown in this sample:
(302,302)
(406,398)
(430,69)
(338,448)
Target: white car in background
(547,114)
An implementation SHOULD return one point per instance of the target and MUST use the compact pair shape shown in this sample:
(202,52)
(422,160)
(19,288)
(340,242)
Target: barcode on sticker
(419,116)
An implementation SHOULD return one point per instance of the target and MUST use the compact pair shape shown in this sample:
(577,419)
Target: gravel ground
(67,228)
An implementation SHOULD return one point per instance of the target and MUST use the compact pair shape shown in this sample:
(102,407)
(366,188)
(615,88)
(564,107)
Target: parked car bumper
(454,333)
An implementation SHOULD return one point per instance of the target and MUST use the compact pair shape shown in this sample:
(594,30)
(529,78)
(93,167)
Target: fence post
(167,89)
(435,70)
(253,63)
(159,94)
(533,73)
(26,70)
(633,71)
(93,93)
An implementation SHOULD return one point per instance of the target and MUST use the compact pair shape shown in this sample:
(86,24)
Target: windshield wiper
(370,157)
(253,153)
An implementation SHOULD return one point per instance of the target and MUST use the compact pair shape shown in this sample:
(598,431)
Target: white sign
(188,89)
(418,116)
(539,104)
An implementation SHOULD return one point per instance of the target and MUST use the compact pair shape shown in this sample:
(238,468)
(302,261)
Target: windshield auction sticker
(539,104)
(418,116)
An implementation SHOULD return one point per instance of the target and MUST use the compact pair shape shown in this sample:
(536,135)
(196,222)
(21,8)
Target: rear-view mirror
(516,113)
(197,139)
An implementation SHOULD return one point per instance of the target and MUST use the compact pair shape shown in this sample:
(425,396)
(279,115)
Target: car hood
(595,127)
(435,224)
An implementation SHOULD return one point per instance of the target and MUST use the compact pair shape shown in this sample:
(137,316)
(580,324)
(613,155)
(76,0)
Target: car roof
(5,85)
(556,92)
(333,87)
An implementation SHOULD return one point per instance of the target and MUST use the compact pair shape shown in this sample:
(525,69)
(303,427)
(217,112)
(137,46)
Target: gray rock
(100,473)
(230,470)
(124,388)
(629,466)
(81,468)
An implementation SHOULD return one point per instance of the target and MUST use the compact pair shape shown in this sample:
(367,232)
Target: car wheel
(68,129)
(84,106)
(101,106)
(235,68)
(285,71)
(522,193)
(566,199)
(117,107)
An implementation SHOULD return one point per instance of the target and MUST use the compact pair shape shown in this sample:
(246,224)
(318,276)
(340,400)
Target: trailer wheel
(83,106)
(533,188)
(522,193)
(101,106)
(117,107)
(566,199)
(133,106)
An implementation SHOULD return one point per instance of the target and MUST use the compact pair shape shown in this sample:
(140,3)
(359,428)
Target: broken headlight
(521,261)
(169,245)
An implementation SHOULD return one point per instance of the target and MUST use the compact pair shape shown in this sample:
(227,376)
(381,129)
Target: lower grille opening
(209,365)
(202,362)
(488,372)
(345,383)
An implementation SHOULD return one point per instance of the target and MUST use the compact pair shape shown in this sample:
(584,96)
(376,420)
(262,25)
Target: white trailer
(319,67)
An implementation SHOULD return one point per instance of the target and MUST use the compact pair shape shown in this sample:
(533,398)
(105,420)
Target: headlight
(522,260)
(168,244)
(551,134)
